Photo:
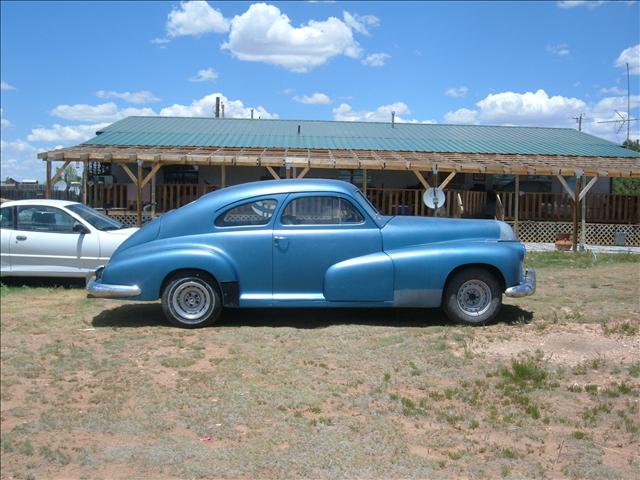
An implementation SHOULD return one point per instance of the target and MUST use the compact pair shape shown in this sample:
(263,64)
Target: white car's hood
(123,231)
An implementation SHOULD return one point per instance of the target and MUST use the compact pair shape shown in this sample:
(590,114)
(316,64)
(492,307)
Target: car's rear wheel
(472,296)
(191,300)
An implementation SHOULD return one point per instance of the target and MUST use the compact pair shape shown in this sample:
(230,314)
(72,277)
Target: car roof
(39,201)
(273,187)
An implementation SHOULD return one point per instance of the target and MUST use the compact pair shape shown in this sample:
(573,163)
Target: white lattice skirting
(595,233)
(535,232)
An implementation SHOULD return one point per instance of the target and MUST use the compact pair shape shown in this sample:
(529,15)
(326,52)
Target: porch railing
(397,201)
(600,207)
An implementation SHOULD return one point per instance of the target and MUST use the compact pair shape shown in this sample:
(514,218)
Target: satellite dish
(264,209)
(434,198)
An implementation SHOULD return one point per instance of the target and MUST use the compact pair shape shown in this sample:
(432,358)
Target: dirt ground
(107,389)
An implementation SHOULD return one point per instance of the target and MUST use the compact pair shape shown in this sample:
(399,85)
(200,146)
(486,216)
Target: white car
(56,238)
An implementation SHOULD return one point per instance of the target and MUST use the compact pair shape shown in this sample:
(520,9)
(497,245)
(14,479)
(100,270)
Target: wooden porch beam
(447,180)
(59,173)
(85,181)
(587,187)
(151,174)
(273,172)
(223,175)
(303,172)
(516,213)
(126,169)
(424,183)
(566,187)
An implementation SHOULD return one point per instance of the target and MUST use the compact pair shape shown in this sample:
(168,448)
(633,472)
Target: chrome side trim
(526,288)
(95,289)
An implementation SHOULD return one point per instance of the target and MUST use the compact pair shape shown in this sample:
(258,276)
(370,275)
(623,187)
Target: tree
(68,176)
(628,186)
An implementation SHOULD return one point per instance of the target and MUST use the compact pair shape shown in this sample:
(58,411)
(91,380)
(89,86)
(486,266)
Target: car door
(243,231)
(6,227)
(45,243)
(313,232)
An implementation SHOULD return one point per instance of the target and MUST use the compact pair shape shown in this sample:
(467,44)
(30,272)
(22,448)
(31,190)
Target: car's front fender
(421,272)
(149,264)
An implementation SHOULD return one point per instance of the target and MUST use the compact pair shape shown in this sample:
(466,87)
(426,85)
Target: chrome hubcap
(191,300)
(474,298)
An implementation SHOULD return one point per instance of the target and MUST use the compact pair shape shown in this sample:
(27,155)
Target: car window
(41,218)
(320,211)
(98,220)
(6,217)
(252,213)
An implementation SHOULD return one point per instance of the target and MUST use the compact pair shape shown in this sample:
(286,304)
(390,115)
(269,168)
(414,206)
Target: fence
(398,201)
(600,207)
(18,193)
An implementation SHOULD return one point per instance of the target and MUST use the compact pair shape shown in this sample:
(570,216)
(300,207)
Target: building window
(180,174)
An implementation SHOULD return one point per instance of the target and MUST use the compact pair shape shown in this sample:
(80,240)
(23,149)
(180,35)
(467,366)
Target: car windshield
(98,220)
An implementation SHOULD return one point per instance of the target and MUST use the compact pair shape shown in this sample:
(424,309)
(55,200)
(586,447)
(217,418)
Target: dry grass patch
(101,389)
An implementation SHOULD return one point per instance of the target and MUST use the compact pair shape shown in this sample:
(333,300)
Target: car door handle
(21,237)
(281,242)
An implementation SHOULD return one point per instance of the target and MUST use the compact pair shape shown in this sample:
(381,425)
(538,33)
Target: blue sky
(69,68)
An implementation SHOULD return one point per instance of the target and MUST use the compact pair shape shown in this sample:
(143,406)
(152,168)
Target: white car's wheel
(472,296)
(191,300)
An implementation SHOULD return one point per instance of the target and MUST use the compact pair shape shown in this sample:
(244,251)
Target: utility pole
(578,119)
(628,103)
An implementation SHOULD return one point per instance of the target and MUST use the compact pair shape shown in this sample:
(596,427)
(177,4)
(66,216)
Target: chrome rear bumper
(97,289)
(526,288)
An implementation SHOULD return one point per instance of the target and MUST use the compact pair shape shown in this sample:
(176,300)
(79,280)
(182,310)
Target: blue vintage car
(312,243)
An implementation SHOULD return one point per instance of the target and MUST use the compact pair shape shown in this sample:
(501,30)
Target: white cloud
(540,109)
(359,23)
(205,106)
(631,56)
(560,49)
(462,116)
(105,112)
(195,18)
(457,92)
(590,4)
(344,112)
(65,133)
(264,34)
(313,99)
(613,90)
(6,86)
(529,108)
(141,97)
(375,59)
(204,75)
(4,123)
(159,41)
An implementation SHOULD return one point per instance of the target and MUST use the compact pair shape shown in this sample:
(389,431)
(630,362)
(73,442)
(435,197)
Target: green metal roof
(238,133)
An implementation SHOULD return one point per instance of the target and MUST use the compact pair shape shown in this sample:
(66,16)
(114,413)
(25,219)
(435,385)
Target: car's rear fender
(421,272)
(149,264)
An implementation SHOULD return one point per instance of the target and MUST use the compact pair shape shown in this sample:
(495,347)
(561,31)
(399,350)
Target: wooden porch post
(223,176)
(516,214)
(139,195)
(583,214)
(153,196)
(47,192)
(576,213)
(85,181)
(364,181)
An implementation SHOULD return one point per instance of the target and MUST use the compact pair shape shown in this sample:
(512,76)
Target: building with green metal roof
(168,161)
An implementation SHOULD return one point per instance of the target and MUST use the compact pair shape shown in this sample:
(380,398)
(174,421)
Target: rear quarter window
(248,214)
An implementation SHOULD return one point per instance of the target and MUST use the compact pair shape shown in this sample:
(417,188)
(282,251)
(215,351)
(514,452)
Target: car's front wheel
(472,296)
(191,300)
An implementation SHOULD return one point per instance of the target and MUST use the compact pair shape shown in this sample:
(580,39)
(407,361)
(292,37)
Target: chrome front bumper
(97,289)
(528,287)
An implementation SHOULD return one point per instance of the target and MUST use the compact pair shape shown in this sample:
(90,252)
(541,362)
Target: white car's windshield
(98,220)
